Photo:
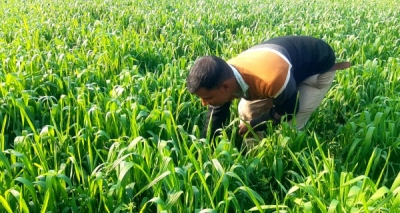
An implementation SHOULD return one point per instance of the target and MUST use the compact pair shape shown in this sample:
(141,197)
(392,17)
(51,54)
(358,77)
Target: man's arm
(289,107)
(284,104)
(216,117)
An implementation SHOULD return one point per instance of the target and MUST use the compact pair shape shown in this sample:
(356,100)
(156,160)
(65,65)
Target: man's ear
(226,85)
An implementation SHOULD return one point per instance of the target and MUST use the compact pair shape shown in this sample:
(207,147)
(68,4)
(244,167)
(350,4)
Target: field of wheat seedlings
(95,116)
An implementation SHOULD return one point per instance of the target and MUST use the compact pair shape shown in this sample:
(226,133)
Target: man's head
(212,79)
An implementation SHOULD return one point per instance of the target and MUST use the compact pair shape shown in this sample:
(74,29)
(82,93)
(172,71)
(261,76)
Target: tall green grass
(95,116)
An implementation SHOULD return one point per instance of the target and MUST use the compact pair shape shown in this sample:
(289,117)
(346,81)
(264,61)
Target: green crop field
(95,115)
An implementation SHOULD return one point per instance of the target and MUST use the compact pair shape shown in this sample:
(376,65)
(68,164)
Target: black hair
(208,72)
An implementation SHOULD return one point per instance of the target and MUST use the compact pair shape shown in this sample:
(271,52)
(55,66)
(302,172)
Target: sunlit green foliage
(95,116)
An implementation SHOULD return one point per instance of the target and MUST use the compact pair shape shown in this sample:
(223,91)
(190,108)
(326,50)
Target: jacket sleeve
(285,103)
(215,118)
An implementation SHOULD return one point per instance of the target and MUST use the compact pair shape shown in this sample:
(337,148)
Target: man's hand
(243,129)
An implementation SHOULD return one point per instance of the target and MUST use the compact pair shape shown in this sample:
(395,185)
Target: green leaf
(265,207)
(208,211)
(29,185)
(378,195)
(5,204)
(308,208)
(46,201)
(154,182)
(172,199)
(354,180)
(124,167)
(332,206)
(396,182)
(218,167)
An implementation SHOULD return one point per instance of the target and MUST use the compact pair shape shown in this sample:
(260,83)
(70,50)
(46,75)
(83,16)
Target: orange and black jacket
(273,69)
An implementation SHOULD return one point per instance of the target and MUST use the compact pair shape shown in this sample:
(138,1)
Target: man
(287,75)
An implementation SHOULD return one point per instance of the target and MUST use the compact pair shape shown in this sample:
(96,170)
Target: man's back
(308,55)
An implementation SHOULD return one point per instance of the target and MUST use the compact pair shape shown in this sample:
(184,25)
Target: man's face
(214,97)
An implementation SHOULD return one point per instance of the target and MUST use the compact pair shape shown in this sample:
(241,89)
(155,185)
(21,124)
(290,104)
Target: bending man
(287,75)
